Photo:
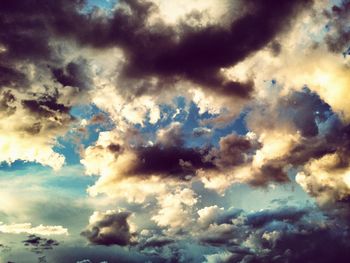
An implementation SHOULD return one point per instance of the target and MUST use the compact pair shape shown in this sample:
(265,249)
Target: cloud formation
(28,229)
(109,228)
(38,244)
(172,107)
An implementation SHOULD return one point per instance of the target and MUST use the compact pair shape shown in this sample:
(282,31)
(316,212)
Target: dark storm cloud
(169,161)
(181,51)
(197,54)
(27,37)
(25,33)
(39,244)
(170,157)
(110,229)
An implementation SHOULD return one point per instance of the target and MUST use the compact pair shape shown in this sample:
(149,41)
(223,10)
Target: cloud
(157,242)
(283,234)
(118,162)
(200,53)
(338,37)
(39,83)
(278,62)
(201,131)
(38,244)
(181,51)
(175,209)
(326,178)
(29,229)
(109,228)
(233,150)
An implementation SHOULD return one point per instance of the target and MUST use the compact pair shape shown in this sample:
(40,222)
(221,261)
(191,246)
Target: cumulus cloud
(175,209)
(109,228)
(326,178)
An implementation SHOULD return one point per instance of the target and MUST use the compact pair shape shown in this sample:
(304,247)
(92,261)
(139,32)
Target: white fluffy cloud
(326,179)
(176,209)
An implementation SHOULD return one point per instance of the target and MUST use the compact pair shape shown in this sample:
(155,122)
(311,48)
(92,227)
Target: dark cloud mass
(109,229)
(187,52)
(196,54)
(33,70)
(170,157)
(286,234)
(169,161)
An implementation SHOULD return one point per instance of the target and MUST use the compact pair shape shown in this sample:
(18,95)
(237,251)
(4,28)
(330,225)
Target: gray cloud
(110,228)
(39,244)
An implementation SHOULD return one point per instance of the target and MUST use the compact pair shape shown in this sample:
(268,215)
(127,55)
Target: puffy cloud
(326,179)
(32,127)
(109,228)
(175,209)
(207,215)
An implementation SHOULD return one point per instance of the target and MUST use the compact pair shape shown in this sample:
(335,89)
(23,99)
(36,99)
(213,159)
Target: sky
(211,131)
